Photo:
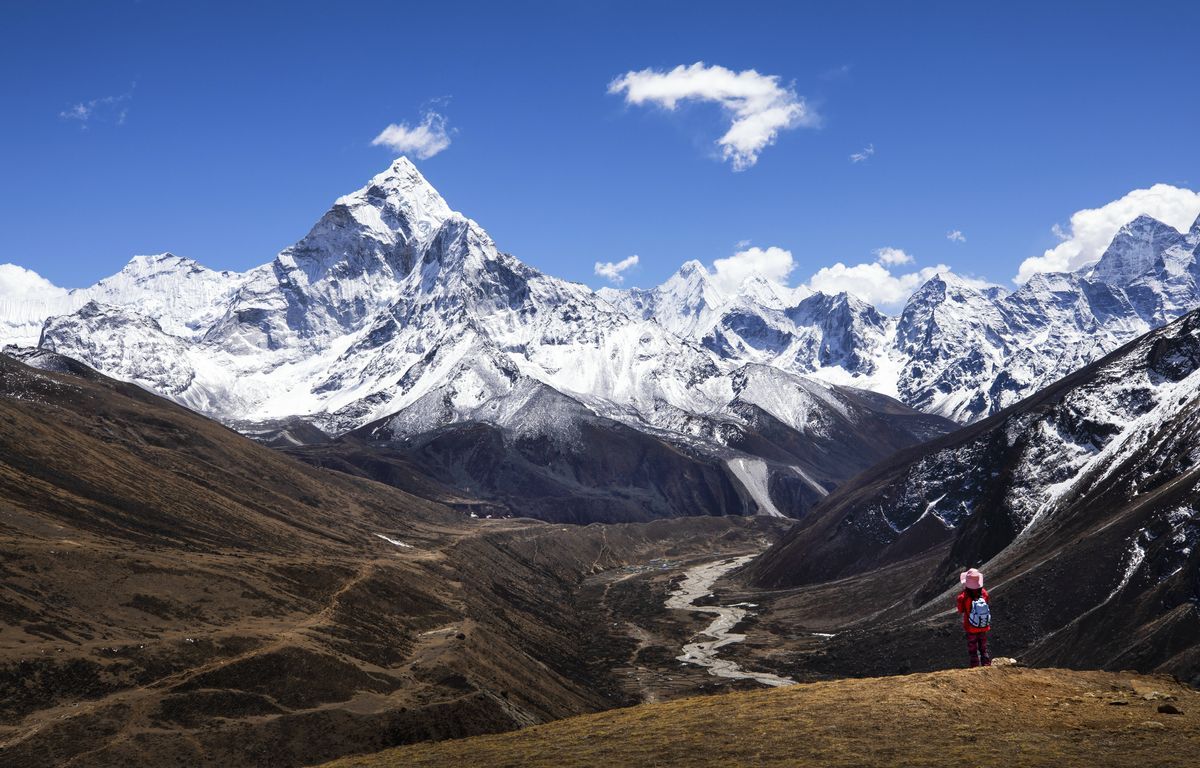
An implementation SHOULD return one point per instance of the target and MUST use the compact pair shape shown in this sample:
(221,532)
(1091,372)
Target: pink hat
(971,579)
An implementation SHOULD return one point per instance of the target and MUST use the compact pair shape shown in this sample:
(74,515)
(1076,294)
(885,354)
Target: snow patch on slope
(753,475)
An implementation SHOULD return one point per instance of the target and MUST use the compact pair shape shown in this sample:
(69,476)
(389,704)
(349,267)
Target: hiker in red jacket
(977,616)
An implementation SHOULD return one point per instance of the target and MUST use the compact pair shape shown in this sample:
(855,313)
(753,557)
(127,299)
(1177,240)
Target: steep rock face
(115,338)
(396,307)
(1135,251)
(1081,504)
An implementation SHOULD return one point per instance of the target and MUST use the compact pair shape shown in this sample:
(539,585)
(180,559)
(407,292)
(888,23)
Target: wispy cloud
(836,73)
(956,235)
(426,139)
(863,154)
(613,270)
(759,107)
(106,109)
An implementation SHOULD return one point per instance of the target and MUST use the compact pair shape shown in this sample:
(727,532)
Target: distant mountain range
(957,349)
(396,324)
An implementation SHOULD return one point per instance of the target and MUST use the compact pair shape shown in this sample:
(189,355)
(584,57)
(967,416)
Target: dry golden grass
(1008,716)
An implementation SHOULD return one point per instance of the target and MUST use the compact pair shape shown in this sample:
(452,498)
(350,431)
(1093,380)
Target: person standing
(973,604)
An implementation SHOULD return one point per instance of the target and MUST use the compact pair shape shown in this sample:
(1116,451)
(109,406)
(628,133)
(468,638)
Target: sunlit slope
(1007,716)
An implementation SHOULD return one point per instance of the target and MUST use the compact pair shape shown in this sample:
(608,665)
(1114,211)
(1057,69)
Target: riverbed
(697,583)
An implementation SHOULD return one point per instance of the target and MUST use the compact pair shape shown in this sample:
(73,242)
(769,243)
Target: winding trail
(697,583)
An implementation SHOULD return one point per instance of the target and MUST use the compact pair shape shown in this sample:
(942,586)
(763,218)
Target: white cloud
(759,106)
(771,263)
(20,283)
(1092,229)
(612,271)
(956,235)
(424,140)
(107,109)
(866,152)
(892,256)
(874,283)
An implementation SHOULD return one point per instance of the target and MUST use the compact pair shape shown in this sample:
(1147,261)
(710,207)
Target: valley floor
(1005,715)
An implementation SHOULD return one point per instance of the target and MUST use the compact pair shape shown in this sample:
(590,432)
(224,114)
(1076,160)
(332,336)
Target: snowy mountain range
(398,313)
(957,349)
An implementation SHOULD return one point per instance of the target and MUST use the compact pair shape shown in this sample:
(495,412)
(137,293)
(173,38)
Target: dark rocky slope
(1079,503)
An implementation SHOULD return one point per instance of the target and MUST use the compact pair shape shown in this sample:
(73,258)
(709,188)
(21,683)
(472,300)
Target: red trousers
(977,649)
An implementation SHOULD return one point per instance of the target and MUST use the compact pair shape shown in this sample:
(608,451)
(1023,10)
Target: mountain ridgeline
(397,342)
(957,349)
(398,329)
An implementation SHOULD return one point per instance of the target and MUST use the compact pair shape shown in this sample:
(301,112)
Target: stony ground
(1005,715)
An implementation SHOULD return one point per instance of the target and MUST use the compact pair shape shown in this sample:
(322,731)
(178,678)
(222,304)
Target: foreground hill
(1000,716)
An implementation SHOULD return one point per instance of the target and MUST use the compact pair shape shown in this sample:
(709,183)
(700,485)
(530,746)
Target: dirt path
(696,584)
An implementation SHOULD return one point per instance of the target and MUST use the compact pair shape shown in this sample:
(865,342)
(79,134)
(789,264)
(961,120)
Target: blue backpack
(980,616)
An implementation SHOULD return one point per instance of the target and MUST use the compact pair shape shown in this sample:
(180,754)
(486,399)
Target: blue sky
(223,131)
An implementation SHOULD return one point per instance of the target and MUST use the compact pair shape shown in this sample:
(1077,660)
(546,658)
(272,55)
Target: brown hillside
(172,593)
(1007,716)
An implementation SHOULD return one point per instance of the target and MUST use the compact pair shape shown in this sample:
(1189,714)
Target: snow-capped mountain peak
(397,201)
(1134,250)
(685,304)
(381,284)
(691,295)
(771,294)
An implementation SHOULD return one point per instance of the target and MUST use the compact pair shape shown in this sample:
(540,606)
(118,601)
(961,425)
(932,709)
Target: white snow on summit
(957,349)
(393,301)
